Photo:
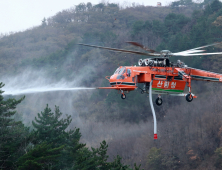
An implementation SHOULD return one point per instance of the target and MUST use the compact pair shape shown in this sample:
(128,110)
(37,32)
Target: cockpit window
(117,70)
(128,73)
(121,72)
(120,76)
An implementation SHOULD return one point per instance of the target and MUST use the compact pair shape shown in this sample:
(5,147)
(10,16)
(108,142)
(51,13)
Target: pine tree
(51,129)
(137,167)
(42,156)
(116,164)
(216,5)
(154,161)
(97,159)
(13,135)
(218,162)
(44,22)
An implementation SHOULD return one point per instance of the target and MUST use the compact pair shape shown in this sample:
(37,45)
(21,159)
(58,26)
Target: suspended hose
(153,111)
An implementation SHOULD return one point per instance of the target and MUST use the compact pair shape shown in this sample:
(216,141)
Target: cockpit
(122,72)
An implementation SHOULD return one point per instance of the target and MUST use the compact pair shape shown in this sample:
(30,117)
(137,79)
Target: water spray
(10,91)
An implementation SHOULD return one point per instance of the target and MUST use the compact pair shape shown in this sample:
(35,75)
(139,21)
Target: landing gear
(145,88)
(159,101)
(123,96)
(189,97)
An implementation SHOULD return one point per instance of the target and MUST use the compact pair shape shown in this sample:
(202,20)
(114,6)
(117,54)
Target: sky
(19,15)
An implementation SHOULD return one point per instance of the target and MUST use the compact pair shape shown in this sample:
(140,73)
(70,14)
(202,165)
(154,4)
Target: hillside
(48,55)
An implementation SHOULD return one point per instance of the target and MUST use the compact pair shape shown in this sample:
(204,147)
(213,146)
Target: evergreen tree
(97,160)
(42,156)
(218,153)
(49,128)
(137,167)
(154,161)
(44,22)
(216,5)
(116,164)
(13,135)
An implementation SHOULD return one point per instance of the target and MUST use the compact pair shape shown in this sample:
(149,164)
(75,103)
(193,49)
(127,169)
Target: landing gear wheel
(123,96)
(189,97)
(159,101)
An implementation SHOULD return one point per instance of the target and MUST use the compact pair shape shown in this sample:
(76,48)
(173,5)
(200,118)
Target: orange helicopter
(159,75)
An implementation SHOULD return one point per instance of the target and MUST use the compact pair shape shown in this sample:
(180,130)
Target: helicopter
(158,74)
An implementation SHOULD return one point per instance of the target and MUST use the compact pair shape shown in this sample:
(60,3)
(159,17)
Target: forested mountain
(48,55)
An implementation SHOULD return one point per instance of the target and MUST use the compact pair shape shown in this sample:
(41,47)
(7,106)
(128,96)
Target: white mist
(13,91)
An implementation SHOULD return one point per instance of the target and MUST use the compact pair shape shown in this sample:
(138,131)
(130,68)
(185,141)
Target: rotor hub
(165,53)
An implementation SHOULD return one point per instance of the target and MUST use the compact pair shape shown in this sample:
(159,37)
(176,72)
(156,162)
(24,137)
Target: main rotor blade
(141,46)
(122,50)
(175,54)
(191,50)
(188,52)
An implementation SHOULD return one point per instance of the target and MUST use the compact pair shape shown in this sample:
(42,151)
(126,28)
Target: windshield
(120,70)
(117,70)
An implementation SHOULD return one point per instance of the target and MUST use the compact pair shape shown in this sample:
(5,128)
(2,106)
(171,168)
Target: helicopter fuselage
(167,79)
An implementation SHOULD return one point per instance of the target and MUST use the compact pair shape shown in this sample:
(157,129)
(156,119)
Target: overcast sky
(19,15)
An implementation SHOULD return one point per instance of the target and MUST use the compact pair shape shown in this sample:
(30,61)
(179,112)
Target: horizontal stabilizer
(181,73)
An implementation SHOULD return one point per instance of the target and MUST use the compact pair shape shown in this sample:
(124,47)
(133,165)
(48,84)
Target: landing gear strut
(123,96)
(145,88)
(189,96)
